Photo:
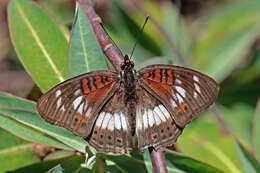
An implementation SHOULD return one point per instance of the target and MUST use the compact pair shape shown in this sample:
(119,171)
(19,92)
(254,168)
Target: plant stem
(115,56)
(106,44)
(158,160)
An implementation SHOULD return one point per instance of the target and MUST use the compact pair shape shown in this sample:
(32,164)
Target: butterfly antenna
(138,36)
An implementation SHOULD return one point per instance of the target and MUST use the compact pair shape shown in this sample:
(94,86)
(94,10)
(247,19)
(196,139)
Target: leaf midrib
(39,43)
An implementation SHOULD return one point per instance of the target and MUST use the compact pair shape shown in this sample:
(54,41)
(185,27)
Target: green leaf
(251,72)
(74,164)
(125,37)
(147,161)
(241,123)
(33,120)
(225,36)
(17,156)
(248,161)
(57,169)
(134,29)
(85,54)
(39,43)
(28,133)
(124,163)
(9,100)
(42,166)
(203,139)
(187,164)
(177,162)
(256,131)
(59,154)
(175,28)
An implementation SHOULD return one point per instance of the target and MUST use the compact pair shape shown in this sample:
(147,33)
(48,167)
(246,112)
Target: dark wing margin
(184,92)
(74,103)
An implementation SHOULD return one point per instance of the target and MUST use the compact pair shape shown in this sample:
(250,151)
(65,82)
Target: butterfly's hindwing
(184,92)
(155,126)
(112,129)
(74,104)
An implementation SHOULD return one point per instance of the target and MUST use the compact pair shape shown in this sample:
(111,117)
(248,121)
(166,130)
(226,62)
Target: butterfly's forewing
(75,103)
(154,125)
(184,92)
(112,130)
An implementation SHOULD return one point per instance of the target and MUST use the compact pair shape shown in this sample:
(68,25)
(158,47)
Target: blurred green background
(218,38)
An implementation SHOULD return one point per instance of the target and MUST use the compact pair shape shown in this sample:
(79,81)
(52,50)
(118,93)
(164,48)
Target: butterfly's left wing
(75,103)
(155,127)
(183,92)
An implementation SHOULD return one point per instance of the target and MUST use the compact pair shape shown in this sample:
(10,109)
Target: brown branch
(116,57)
(106,44)
(158,160)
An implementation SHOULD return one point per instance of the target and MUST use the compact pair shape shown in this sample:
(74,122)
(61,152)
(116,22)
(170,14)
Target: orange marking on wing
(85,87)
(146,75)
(118,139)
(84,121)
(182,108)
(78,117)
(109,79)
(170,82)
(99,83)
(157,76)
(154,135)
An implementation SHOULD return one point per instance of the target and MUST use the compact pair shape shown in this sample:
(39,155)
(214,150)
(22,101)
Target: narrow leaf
(248,161)
(210,145)
(70,166)
(125,163)
(222,42)
(41,166)
(177,162)
(256,131)
(28,133)
(175,28)
(85,54)
(32,119)
(147,161)
(187,164)
(39,43)
(18,156)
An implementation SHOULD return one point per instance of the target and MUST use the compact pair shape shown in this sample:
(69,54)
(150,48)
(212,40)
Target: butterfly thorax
(129,83)
(128,77)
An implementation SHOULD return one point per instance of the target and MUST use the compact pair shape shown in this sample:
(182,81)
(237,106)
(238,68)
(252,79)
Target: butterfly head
(127,65)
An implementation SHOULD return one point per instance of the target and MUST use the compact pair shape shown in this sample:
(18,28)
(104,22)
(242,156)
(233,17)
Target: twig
(158,160)
(116,57)
(106,44)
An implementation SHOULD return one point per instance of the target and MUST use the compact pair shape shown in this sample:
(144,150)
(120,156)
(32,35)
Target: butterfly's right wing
(184,92)
(74,104)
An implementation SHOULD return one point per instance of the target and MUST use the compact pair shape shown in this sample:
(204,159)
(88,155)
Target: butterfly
(107,108)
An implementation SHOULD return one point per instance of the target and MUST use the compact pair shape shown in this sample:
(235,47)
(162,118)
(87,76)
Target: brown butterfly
(108,108)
